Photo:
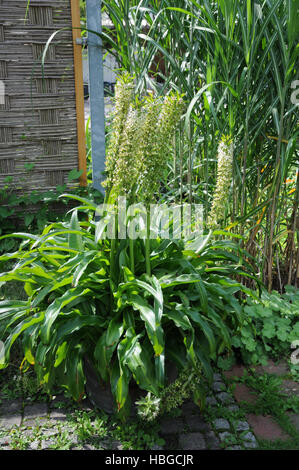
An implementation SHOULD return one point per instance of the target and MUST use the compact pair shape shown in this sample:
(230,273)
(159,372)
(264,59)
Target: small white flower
(148,408)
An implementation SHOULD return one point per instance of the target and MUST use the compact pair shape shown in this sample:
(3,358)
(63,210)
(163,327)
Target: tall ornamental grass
(237,64)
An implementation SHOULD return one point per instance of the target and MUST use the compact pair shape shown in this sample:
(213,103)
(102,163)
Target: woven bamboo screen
(38,128)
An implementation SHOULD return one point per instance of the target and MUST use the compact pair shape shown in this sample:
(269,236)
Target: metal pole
(96,91)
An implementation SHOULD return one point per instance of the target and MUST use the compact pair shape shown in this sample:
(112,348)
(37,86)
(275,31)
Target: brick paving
(235,371)
(281,368)
(189,431)
(243,393)
(265,427)
(290,387)
(294,420)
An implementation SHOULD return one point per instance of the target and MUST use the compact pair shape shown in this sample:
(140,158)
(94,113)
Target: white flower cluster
(173,396)
(224,181)
(180,390)
(148,408)
(138,153)
(124,93)
(159,129)
(125,168)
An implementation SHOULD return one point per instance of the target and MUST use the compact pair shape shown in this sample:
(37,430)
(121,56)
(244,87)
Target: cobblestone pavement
(265,427)
(221,427)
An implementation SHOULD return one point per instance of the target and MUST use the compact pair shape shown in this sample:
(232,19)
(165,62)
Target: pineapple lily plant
(129,306)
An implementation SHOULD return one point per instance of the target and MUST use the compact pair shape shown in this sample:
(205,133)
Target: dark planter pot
(100,395)
(98,392)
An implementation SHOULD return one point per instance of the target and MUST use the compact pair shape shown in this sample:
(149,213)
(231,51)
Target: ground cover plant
(270,328)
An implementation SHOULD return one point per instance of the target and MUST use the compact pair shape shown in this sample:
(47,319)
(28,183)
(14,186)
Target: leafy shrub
(17,209)
(271,325)
(128,325)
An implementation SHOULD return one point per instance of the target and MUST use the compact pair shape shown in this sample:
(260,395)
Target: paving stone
(223,436)
(250,445)
(50,432)
(235,371)
(11,414)
(221,424)
(217,377)
(116,445)
(211,401)
(38,421)
(9,421)
(233,408)
(104,445)
(289,387)
(33,412)
(249,437)
(241,426)
(225,398)
(189,408)
(34,445)
(243,393)
(172,426)
(197,423)
(73,439)
(280,368)
(58,415)
(218,387)
(47,444)
(27,432)
(4,441)
(212,440)
(11,407)
(264,427)
(192,441)
(88,447)
(294,419)
(171,441)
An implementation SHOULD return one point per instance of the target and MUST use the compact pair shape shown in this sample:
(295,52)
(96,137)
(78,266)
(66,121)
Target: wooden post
(79,88)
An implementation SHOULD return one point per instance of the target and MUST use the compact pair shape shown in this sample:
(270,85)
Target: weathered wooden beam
(78,70)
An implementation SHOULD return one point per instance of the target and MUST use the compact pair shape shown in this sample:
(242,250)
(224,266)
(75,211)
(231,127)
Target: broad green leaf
(75,240)
(120,378)
(197,318)
(180,319)
(17,331)
(70,296)
(74,373)
(153,328)
(131,353)
(101,358)
(61,354)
